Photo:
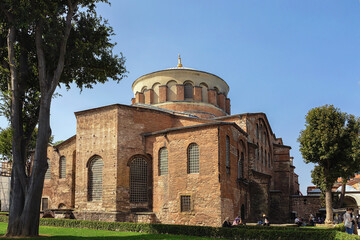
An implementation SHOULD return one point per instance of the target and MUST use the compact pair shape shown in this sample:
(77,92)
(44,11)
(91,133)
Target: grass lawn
(57,233)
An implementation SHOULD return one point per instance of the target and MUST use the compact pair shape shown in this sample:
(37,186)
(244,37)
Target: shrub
(236,233)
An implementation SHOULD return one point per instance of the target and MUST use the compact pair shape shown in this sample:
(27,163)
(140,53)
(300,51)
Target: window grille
(95,184)
(185,203)
(163,161)
(188,91)
(227,154)
(138,180)
(62,173)
(193,158)
(44,204)
(48,171)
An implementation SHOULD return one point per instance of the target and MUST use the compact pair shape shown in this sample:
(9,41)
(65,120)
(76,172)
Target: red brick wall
(162,93)
(64,187)
(203,187)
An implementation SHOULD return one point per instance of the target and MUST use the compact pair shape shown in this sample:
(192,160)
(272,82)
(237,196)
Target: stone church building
(176,155)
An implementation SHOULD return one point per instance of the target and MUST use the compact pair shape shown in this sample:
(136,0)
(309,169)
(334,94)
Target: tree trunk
(26,221)
(342,195)
(328,202)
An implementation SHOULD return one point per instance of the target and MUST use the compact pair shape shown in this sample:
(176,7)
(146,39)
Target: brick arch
(91,158)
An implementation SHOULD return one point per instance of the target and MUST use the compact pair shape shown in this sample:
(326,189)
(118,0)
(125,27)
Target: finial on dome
(179,63)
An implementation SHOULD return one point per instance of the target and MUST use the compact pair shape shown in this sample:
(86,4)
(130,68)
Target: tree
(44,44)
(331,141)
(6,144)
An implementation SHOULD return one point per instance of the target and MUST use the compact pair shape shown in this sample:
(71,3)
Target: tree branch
(62,52)
(40,56)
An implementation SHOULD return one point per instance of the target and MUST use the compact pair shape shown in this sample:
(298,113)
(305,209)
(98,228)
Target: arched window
(95,179)
(48,171)
(261,155)
(163,161)
(143,94)
(227,154)
(204,92)
(138,180)
(193,158)
(171,91)
(188,91)
(269,161)
(156,93)
(257,131)
(62,167)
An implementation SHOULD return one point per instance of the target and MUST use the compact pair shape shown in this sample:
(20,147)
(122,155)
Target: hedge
(236,233)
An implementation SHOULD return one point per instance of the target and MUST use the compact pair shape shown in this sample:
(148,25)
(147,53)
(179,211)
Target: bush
(236,233)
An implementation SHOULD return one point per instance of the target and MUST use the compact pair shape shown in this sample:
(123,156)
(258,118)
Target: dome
(183,89)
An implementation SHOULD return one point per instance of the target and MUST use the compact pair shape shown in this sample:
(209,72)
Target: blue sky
(278,57)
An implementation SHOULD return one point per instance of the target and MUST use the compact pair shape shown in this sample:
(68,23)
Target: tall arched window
(227,154)
(138,180)
(261,155)
(257,131)
(188,91)
(269,161)
(48,171)
(193,158)
(62,167)
(95,179)
(163,161)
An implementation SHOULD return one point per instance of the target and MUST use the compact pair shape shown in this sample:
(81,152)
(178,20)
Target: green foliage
(6,143)
(241,232)
(331,141)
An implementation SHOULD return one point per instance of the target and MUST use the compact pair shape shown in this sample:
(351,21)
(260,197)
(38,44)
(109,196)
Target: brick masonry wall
(305,205)
(203,187)
(234,194)
(64,193)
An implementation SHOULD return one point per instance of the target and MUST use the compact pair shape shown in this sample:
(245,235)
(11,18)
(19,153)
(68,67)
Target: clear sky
(278,57)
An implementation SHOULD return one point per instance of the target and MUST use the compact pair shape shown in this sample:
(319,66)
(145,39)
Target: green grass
(58,233)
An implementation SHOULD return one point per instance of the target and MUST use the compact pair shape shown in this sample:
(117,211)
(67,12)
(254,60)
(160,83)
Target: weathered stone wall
(203,187)
(234,191)
(303,206)
(63,193)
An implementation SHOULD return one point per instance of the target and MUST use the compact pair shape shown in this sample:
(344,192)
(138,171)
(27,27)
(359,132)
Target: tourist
(266,221)
(348,219)
(298,221)
(236,221)
(226,223)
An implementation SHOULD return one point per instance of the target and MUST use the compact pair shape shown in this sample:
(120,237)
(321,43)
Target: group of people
(237,221)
